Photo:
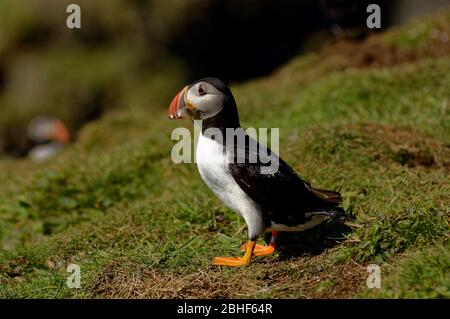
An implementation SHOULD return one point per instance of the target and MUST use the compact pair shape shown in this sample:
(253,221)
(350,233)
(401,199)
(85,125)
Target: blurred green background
(136,53)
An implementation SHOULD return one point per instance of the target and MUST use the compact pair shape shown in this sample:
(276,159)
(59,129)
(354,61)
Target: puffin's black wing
(283,195)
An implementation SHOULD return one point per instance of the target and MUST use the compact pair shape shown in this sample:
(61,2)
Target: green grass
(423,274)
(141,226)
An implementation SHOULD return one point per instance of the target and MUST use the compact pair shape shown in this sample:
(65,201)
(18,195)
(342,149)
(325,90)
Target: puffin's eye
(201,90)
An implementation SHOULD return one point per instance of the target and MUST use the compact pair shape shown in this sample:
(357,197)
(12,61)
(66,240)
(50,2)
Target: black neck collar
(227,118)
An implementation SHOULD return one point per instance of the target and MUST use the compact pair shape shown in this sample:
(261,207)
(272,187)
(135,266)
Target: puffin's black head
(204,99)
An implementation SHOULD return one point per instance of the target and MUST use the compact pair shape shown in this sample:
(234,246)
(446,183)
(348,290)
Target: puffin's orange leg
(237,261)
(261,250)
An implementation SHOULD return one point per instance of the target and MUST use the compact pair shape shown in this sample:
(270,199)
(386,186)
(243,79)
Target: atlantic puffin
(47,136)
(275,201)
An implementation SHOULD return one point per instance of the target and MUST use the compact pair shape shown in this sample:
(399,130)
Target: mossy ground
(141,226)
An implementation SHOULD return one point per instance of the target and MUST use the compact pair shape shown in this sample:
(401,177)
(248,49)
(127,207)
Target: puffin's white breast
(213,168)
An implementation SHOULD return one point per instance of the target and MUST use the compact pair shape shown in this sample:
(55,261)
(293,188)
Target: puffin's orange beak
(177,108)
(61,133)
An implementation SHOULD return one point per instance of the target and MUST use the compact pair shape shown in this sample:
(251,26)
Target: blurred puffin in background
(46,137)
(269,201)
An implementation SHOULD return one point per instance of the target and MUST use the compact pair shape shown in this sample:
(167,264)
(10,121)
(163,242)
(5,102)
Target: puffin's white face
(205,99)
(199,101)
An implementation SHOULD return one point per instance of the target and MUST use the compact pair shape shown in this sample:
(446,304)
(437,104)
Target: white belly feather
(213,167)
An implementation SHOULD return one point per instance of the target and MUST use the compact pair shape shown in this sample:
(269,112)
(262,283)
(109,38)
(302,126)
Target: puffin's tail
(335,213)
(330,197)
(328,203)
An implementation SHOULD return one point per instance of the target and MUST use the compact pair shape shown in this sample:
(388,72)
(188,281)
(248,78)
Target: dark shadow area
(2,79)
(36,35)
(239,40)
(312,241)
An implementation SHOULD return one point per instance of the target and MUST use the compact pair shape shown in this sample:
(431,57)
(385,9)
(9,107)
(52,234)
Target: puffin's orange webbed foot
(230,261)
(236,261)
(263,250)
